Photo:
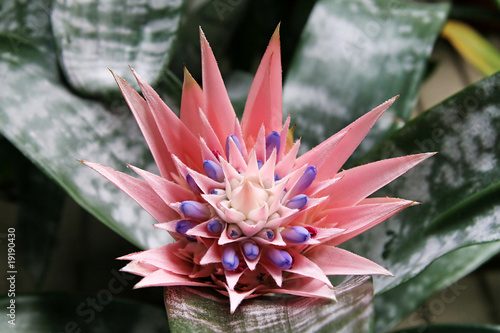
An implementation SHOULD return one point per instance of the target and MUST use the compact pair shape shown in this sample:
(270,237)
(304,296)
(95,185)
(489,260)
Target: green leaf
(452,328)
(459,187)
(201,310)
(81,313)
(473,47)
(391,308)
(54,128)
(218,19)
(94,36)
(26,21)
(354,55)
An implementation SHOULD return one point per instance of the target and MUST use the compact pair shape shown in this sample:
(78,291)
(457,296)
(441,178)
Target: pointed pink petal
(201,231)
(357,219)
(252,170)
(267,170)
(230,173)
(210,136)
(250,230)
(238,133)
(178,138)
(275,272)
(235,297)
(191,101)
(264,102)
(260,145)
(148,127)
(277,241)
(235,157)
(205,183)
(321,153)
(306,287)
(305,267)
(139,268)
(356,132)
(325,233)
(207,153)
(164,257)
(335,261)
(283,135)
(317,188)
(233,277)
(291,179)
(170,192)
(214,201)
(216,105)
(212,256)
(251,263)
(162,278)
(138,190)
(169,226)
(285,165)
(358,183)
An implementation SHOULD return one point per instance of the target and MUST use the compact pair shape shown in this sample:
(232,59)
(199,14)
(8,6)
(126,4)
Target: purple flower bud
(273,140)
(259,163)
(195,210)
(236,141)
(215,226)
(213,170)
(192,184)
(233,231)
(251,250)
(306,179)
(296,234)
(277,177)
(183,226)
(230,259)
(280,258)
(266,234)
(297,202)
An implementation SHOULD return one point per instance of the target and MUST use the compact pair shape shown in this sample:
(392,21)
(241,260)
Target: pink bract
(250,217)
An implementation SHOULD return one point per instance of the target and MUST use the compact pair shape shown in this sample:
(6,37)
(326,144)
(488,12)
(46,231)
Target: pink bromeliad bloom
(250,217)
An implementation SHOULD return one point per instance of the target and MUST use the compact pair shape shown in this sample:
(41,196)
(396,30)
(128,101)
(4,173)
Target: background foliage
(340,59)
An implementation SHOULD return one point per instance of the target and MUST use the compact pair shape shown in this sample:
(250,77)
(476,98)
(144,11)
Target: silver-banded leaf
(391,307)
(92,36)
(459,187)
(218,19)
(26,22)
(354,55)
(452,328)
(54,128)
(204,310)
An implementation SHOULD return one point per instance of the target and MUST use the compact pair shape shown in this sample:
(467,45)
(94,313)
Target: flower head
(249,216)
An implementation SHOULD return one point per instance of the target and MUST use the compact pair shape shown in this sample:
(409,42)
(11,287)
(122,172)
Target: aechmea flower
(248,216)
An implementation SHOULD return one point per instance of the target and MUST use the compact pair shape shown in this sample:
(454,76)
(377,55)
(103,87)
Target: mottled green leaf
(391,307)
(354,55)
(459,187)
(92,36)
(81,313)
(452,328)
(202,310)
(26,21)
(54,128)
(218,19)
